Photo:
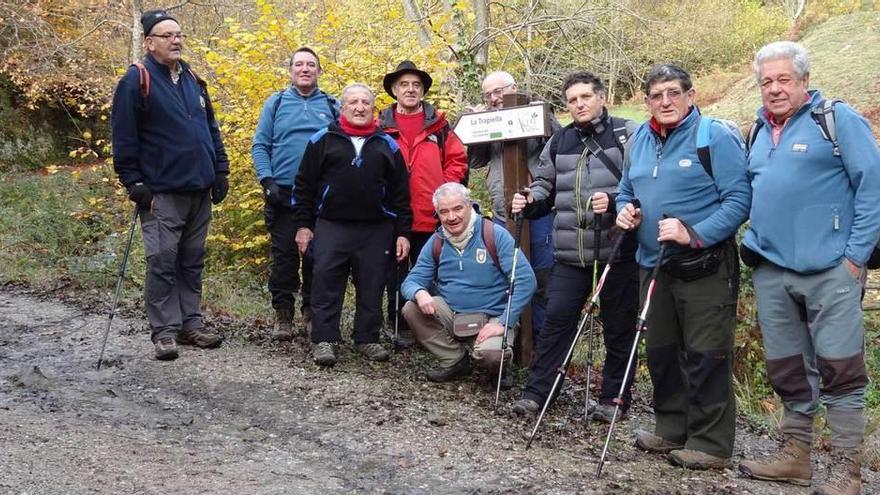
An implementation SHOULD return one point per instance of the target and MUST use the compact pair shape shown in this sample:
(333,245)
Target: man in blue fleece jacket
(695,209)
(288,119)
(814,221)
(168,153)
(464,279)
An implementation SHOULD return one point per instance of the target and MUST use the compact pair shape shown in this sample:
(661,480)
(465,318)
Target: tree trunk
(411,11)
(481,25)
(137,31)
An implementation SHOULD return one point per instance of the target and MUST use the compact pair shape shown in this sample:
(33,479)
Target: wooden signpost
(513,125)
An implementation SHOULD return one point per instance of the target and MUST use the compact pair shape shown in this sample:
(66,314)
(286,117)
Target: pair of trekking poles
(588,314)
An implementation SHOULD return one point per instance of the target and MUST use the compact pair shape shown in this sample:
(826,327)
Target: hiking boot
(526,407)
(694,459)
(843,475)
(655,444)
(199,338)
(373,351)
(457,370)
(604,413)
(166,349)
(405,338)
(283,331)
(791,464)
(324,354)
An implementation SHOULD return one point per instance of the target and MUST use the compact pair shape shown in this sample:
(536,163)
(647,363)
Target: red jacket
(428,167)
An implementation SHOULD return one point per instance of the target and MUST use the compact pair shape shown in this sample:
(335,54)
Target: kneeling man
(457,290)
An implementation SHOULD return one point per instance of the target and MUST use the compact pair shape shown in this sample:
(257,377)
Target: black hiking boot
(460,369)
(166,349)
(324,354)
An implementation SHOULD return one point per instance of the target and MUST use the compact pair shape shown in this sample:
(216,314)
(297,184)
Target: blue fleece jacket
(282,135)
(809,207)
(469,281)
(170,142)
(668,179)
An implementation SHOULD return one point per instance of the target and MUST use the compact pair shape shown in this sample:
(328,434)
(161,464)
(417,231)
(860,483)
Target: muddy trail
(255,417)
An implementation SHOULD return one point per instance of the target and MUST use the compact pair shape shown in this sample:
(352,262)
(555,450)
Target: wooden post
(516,177)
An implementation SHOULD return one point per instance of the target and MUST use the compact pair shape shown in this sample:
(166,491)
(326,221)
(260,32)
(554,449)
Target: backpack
(332,103)
(145,85)
(823,116)
(703,139)
(488,234)
(618,128)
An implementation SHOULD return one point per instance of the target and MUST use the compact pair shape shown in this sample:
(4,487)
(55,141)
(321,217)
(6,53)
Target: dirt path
(251,417)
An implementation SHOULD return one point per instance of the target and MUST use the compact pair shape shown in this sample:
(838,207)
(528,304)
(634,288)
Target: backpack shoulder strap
(703,140)
(488,233)
(143,84)
(436,247)
(823,114)
(277,104)
(333,103)
(753,134)
(621,130)
(554,147)
(441,142)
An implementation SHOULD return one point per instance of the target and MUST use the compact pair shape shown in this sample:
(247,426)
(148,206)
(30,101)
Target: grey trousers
(174,231)
(814,341)
(434,332)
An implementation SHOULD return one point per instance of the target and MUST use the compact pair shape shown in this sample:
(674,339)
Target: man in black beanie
(168,153)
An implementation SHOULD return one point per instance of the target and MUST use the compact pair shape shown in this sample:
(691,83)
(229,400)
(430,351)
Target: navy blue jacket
(171,141)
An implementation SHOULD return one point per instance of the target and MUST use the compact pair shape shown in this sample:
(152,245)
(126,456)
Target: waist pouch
(467,325)
(695,264)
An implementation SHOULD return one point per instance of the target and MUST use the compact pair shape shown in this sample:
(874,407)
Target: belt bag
(695,264)
(467,325)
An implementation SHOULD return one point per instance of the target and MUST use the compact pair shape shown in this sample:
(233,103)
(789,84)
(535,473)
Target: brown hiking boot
(790,464)
(373,351)
(655,444)
(843,475)
(283,331)
(199,338)
(604,413)
(695,459)
(166,349)
(526,407)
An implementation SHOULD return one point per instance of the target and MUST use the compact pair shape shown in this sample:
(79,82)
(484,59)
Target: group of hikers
(348,194)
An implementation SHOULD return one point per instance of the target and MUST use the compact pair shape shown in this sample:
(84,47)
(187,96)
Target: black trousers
(567,292)
(284,279)
(397,272)
(341,248)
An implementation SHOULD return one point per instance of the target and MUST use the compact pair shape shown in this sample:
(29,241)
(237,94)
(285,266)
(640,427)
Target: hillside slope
(845,63)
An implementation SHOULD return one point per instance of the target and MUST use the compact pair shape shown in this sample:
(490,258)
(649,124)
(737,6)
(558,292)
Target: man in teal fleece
(695,208)
(814,221)
(464,279)
(288,119)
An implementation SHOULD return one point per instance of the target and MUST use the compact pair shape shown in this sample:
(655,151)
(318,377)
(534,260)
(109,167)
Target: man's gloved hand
(141,195)
(219,189)
(273,193)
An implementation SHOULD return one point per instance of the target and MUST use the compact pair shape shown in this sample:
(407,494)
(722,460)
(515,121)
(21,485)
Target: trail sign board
(520,122)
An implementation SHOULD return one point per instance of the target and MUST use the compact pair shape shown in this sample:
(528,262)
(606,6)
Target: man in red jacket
(433,154)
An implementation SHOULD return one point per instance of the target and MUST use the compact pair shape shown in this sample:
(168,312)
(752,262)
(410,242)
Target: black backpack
(823,116)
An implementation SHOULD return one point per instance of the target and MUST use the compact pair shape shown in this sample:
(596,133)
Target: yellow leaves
(52,169)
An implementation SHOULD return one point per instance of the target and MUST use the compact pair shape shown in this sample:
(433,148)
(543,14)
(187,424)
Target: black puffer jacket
(568,184)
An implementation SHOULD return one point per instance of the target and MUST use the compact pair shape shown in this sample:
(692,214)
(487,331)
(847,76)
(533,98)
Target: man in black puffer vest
(578,174)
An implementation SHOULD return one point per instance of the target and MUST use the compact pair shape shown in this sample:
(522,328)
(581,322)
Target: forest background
(63,215)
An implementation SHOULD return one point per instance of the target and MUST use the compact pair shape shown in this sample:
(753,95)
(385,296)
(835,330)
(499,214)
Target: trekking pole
(518,221)
(131,228)
(640,327)
(396,339)
(597,241)
(594,300)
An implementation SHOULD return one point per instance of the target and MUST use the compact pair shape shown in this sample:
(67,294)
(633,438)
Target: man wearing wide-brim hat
(434,155)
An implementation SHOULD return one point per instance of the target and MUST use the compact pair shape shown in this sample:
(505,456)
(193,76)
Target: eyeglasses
(170,36)
(671,94)
(496,92)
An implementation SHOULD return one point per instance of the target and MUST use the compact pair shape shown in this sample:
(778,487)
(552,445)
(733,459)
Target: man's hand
(475,108)
(629,217)
(520,200)
(854,269)
(219,189)
(272,192)
(141,195)
(425,302)
(600,202)
(402,248)
(303,237)
(490,330)
(671,229)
